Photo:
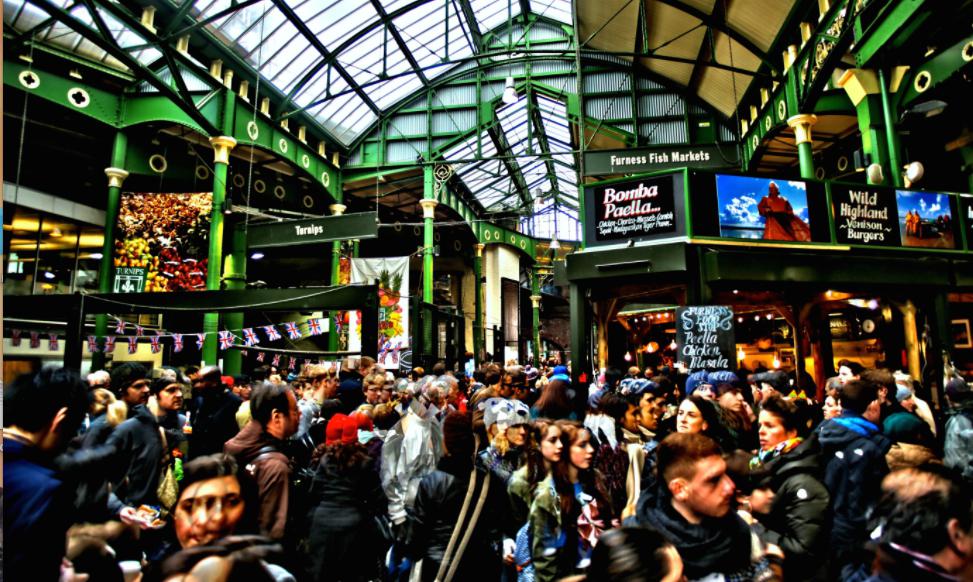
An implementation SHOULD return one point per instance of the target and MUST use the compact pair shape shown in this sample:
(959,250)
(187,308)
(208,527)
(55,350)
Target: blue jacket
(37,511)
(853,454)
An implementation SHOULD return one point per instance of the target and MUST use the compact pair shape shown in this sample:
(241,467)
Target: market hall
(368,257)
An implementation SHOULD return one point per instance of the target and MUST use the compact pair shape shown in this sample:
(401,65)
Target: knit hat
(637,386)
(903,427)
(695,380)
(159,384)
(335,427)
(594,398)
(513,413)
(722,377)
(349,430)
(491,408)
(125,375)
(561,373)
(777,380)
(956,389)
(903,393)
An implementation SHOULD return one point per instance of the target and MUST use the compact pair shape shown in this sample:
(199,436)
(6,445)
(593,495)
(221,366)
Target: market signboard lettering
(865,216)
(129,279)
(361,225)
(634,209)
(705,338)
(630,161)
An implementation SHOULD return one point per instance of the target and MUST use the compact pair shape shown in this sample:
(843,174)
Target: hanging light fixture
(741,355)
(776,363)
(510,92)
(56,233)
(628,356)
(555,246)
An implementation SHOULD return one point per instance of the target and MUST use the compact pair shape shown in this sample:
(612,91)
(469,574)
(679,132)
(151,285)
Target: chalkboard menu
(637,209)
(865,216)
(704,337)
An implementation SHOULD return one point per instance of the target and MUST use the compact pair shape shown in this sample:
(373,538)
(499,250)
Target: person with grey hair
(99,379)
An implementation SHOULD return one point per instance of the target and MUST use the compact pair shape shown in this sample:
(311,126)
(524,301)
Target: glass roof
(363,56)
(27,18)
(526,165)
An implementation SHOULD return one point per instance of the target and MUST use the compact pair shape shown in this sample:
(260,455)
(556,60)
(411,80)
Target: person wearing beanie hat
(166,403)
(561,373)
(698,383)
(911,440)
(438,513)
(130,384)
(342,538)
(506,422)
(771,383)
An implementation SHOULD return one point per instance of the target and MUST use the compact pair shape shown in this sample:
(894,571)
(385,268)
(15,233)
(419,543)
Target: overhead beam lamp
(510,92)
(913,173)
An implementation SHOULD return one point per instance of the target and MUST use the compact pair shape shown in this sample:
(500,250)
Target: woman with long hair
(571,509)
(344,542)
(698,415)
(554,402)
(540,458)
(507,424)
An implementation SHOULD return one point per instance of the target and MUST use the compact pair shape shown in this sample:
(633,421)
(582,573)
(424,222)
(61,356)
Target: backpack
(299,498)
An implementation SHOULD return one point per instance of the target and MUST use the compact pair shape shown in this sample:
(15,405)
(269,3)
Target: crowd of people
(514,473)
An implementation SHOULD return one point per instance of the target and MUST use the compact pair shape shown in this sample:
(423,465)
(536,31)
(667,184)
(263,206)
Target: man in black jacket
(214,414)
(853,452)
(693,511)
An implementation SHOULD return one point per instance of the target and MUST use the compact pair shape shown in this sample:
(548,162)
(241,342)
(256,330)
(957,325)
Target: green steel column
(211,321)
(235,274)
(333,343)
(478,303)
(535,299)
(428,204)
(802,137)
(890,136)
(116,176)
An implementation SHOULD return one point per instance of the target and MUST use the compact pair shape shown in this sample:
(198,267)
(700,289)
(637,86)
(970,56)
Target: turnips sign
(634,209)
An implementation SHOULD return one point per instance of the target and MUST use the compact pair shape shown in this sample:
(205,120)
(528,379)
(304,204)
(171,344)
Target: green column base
(211,325)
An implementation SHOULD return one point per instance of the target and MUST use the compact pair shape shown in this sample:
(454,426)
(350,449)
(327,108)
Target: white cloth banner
(392,274)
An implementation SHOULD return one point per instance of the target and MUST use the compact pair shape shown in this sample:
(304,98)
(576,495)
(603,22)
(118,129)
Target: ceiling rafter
(707,48)
(390,26)
(323,50)
(723,27)
(110,46)
(540,132)
(472,25)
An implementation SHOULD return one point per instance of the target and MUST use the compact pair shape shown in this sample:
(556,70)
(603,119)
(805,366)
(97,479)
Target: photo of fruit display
(166,234)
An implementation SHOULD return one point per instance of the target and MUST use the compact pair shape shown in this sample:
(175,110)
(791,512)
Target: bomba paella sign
(636,209)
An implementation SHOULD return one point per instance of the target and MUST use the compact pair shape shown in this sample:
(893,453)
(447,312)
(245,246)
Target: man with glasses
(372,386)
(514,381)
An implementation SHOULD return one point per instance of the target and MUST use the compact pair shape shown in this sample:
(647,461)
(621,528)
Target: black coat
(214,423)
(343,541)
(853,457)
(799,518)
(437,506)
(138,445)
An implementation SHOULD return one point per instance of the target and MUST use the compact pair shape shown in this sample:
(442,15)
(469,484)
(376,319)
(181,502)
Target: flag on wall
(177,342)
(133,344)
(52,343)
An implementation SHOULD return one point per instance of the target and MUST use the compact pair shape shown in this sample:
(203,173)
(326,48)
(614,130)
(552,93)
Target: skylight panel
(492,13)
(559,10)
(335,21)
(387,93)
(425,31)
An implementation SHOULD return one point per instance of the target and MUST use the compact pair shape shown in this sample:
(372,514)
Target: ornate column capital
(478,247)
(116,177)
(222,145)
(337,209)
(801,124)
(536,300)
(428,207)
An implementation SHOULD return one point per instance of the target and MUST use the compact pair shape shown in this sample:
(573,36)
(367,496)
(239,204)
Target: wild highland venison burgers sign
(704,337)
(635,209)
(865,216)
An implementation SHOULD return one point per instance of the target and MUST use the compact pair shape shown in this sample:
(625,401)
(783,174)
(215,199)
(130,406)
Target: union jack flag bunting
(35,339)
(290,364)
(226,339)
(244,352)
(92,344)
(160,332)
(133,344)
(272,333)
(261,356)
(119,326)
(109,344)
(292,331)
(139,331)
(15,337)
(314,326)
(249,337)
(276,361)
(52,344)
(200,339)
(177,342)
(155,344)
(307,362)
